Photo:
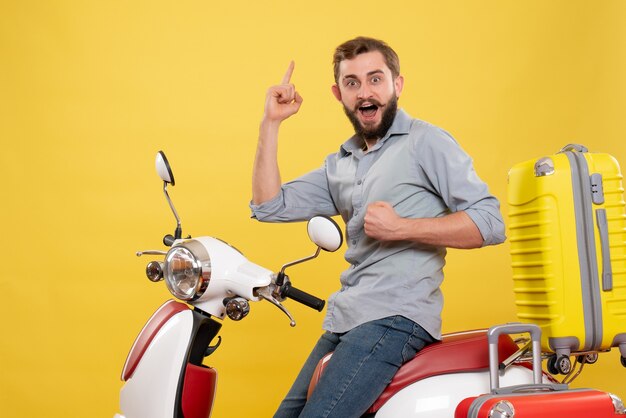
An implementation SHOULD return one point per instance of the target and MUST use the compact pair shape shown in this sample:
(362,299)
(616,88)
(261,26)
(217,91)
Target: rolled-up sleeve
(298,200)
(489,221)
(451,173)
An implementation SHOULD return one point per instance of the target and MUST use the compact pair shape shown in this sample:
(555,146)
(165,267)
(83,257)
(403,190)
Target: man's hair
(350,49)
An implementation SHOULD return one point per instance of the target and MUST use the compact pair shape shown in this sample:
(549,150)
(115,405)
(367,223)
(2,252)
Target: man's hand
(282,100)
(382,222)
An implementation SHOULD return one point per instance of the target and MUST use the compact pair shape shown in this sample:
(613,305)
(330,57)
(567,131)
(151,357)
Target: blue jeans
(364,361)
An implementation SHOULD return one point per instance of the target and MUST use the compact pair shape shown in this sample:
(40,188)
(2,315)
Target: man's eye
(351,83)
(376,80)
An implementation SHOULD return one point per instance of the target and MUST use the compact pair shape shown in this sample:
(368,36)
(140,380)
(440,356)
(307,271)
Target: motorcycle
(164,375)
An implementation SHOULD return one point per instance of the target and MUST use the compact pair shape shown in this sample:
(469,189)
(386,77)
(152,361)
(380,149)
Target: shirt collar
(400,126)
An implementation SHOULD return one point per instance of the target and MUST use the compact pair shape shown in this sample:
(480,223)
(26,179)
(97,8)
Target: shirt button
(353,242)
(359,182)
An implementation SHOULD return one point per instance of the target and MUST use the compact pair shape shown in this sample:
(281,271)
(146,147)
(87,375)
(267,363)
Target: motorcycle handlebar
(303,297)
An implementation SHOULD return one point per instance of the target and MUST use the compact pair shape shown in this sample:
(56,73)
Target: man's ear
(398,84)
(336,92)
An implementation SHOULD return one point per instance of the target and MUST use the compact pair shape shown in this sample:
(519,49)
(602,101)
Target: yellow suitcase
(567,232)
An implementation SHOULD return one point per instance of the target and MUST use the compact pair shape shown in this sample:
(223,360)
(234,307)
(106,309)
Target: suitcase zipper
(586,250)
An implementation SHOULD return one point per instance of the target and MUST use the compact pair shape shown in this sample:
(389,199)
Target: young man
(406,191)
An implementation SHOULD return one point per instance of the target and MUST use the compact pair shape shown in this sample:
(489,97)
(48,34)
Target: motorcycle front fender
(164,376)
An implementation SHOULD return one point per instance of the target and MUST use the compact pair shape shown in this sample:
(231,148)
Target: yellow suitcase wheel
(559,365)
(588,358)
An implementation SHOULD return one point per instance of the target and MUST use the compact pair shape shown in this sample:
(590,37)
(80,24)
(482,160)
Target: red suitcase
(537,400)
(575,403)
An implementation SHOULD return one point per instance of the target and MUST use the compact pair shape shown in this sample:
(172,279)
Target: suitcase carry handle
(574,147)
(607,269)
(534,388)
(493,336)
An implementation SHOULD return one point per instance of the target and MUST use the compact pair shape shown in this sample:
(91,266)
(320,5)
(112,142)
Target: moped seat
(458,352)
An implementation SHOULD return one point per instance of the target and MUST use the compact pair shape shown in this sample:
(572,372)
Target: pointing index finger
(287,76)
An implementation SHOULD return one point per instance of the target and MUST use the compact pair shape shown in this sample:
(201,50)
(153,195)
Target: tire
(551,365)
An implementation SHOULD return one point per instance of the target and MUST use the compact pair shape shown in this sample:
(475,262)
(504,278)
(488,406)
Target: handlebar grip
(304,298)
(169,240)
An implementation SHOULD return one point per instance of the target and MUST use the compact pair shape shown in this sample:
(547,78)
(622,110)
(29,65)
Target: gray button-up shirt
(423,173)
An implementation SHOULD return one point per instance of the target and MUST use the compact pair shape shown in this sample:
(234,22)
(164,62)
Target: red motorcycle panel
(198,391)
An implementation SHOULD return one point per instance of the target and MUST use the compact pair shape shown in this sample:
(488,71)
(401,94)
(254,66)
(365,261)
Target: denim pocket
(418,339)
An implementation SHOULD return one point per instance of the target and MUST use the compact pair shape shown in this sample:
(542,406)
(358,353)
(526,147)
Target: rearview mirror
(325,233)
(163,168)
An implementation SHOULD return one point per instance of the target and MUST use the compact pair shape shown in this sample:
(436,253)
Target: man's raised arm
(281,102)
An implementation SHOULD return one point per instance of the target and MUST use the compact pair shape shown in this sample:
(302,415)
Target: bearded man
(406,191)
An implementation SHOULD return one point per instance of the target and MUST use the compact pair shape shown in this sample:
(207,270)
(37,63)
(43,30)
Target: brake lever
(266,293)
(150,252)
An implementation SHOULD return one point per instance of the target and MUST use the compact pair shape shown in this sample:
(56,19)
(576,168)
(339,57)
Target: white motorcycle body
(438,396)
(231,275)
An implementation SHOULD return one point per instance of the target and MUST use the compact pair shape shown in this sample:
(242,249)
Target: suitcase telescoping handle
(493,335)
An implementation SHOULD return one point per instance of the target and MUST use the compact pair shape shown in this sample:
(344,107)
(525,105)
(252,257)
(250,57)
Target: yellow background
(90,90)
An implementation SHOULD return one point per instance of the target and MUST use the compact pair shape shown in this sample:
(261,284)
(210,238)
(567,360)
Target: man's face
(369,93)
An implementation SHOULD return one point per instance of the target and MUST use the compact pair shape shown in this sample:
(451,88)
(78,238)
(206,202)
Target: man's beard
(374,132)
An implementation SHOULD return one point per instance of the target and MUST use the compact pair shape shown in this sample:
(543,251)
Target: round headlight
(186,275)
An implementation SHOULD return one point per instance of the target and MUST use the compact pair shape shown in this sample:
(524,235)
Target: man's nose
(364,92)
